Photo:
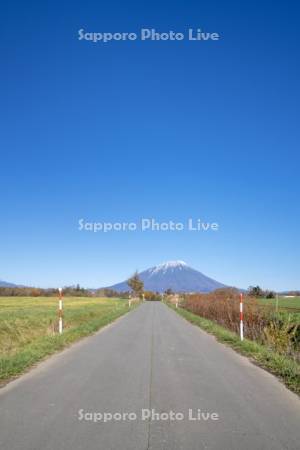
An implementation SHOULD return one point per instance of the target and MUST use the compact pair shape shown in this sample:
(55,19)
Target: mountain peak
(169,264)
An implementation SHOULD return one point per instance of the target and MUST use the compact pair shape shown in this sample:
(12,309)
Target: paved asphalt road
(149,359)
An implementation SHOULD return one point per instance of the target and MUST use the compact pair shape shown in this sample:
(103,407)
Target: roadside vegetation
(271,328)
(69,291)
(29,327)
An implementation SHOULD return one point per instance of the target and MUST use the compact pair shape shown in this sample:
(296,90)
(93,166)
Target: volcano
(175,275)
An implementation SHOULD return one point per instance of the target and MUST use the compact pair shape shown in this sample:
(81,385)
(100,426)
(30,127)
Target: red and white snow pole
(60,312)
(241,318)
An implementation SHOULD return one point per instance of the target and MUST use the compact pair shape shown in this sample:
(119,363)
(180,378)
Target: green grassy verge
(28,328)
(284,368)
(285,305)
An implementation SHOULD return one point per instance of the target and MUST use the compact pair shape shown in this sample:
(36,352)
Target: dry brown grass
(223,307)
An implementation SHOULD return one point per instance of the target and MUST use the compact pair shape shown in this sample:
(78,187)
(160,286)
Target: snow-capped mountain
(175,275)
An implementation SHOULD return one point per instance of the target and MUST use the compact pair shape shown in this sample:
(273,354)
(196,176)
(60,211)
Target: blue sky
(171,130)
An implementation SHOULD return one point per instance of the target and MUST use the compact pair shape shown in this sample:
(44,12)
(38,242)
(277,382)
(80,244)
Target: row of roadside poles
(60,312)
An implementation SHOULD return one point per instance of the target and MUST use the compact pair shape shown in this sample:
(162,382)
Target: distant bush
(256,291)
(107,292)
(152,296)
(68,291)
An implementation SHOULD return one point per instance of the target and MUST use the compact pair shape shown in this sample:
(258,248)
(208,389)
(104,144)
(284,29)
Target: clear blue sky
(169,130)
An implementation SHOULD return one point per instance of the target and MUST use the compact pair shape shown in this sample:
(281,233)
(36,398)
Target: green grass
(28,327)
(286,306)
(284,368)
(285,303)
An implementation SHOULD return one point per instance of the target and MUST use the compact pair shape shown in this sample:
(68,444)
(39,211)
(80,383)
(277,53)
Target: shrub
(151,296)
(224,309)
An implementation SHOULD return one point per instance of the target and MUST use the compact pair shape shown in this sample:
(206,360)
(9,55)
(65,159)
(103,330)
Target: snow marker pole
(60,312)
(241,318)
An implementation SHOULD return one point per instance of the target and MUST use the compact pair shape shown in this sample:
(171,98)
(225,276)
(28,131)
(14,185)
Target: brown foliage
(222,306)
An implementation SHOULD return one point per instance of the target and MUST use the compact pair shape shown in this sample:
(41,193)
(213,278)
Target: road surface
(151,359)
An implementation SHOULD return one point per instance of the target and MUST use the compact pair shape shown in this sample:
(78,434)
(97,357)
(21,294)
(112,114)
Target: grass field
(29,327)
(284,304)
